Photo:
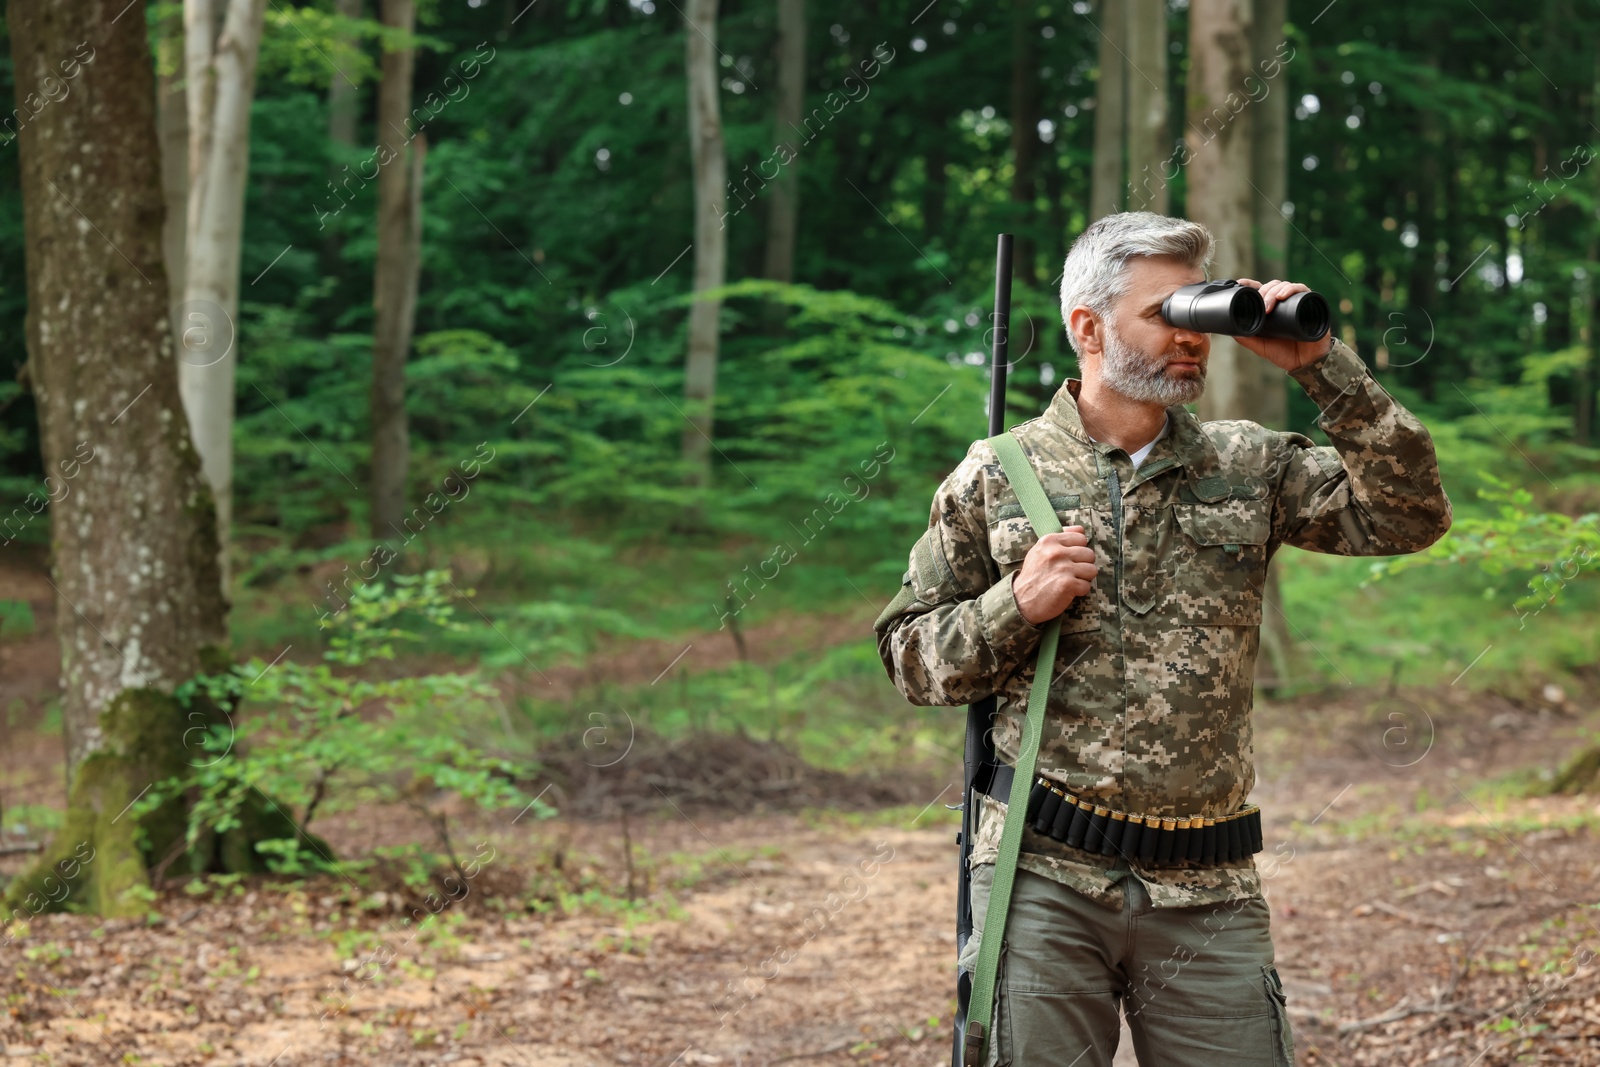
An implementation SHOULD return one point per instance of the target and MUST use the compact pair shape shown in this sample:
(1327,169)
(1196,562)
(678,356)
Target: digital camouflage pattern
(1149,708)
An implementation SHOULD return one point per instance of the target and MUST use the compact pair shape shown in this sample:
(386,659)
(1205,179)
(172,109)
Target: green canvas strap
(1036,505)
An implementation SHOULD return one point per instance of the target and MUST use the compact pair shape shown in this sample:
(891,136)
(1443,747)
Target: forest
(452,456)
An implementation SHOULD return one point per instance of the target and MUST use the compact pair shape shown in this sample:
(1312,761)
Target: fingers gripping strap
(1036,505)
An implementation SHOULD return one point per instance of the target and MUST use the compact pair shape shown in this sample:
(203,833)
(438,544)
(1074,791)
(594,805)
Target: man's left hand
(1282,352)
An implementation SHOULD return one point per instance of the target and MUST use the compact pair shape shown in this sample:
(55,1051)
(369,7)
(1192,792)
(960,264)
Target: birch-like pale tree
(710,238)
(222,40)
(172,131)
(394,278)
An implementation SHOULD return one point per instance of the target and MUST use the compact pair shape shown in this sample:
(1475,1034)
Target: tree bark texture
(221,71)
(172,125)
(1221,153)
(710,239)
(133,535)
(784,209)
(1270,168)
(344,98)
(1025,139)
(394,286)
(1110,111)
(1150,147)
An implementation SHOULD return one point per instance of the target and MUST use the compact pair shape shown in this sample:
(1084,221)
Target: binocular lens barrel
(1302,317)
(1216,307)
(1237,310)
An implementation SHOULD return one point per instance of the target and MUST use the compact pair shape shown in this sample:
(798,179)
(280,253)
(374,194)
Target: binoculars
(1238,310)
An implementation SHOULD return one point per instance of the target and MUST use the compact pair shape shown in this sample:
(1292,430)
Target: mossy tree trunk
(1580,775)
(133,528)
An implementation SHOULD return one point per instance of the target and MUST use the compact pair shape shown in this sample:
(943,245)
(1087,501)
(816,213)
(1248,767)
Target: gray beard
(1137,377)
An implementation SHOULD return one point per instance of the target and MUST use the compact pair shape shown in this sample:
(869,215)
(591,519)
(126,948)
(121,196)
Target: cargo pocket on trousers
(1282,1035)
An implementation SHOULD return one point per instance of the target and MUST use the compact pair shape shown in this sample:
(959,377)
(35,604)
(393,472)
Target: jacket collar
(1186,444)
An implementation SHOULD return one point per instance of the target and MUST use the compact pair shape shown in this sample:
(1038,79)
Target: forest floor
(1425,910)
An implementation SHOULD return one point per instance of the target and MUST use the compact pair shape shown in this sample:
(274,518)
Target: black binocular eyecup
(1238,310)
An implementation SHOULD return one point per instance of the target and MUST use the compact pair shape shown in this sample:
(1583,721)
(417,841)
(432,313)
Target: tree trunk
(172,125)
(1149,136)
(394,286)
(1110,106)
(1271,176)
(1024,138)
(134,551)
(784,210)
(221,71)
(1270,164)
(1587,377)
(344,107)
(1270,170)
(710,238)
(344,99)
(1221,138)
(1580,775)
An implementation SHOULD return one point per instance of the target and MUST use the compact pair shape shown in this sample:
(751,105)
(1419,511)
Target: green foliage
(817,388)
(319,739)
(833,707)
(1515,538)
(1429,178)
(555,214)
(377,615)
(311,46)
(16,618)
(32,820)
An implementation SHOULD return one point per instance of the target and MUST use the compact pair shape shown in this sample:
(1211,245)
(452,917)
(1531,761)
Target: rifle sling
(1036,505)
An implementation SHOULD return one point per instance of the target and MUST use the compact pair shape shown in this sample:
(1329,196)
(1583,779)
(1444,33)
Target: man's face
(1142,356)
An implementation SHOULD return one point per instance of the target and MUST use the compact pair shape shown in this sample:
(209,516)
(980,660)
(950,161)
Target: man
(1168,524)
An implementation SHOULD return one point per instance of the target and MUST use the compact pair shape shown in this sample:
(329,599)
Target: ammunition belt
(1152,840)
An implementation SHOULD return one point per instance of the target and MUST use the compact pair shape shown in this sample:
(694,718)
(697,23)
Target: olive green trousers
(1197,984)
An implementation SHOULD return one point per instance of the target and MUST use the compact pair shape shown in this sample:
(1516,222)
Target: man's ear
(1088,330)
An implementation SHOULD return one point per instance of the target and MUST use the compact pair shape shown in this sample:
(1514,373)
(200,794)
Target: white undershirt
(1139,456)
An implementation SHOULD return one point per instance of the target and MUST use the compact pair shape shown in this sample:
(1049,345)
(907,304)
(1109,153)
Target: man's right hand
(1057,570)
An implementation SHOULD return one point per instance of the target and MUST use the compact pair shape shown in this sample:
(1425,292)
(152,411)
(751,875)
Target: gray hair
(1096,271)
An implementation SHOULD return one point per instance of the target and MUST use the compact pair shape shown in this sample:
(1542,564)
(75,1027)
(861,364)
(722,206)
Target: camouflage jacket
(1149,711)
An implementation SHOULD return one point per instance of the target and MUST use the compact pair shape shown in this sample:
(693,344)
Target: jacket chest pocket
(1010,539)
(1218,562)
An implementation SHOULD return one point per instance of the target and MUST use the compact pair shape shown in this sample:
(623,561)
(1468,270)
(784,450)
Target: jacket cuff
(1334,375)
(1008,634)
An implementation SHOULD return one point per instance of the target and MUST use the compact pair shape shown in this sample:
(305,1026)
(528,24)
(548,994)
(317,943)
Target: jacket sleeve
(1376,490)
(954,633)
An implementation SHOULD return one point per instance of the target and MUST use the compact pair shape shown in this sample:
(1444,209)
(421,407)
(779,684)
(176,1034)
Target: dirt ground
(1403,937)
(1417,918)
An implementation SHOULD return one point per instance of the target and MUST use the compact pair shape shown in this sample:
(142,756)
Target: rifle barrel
(1000,338)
